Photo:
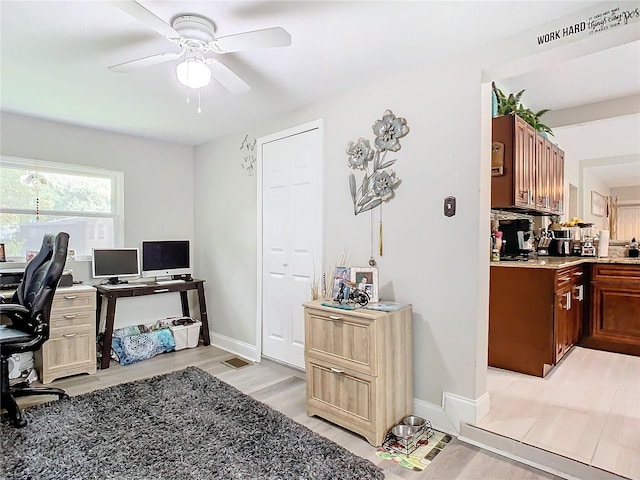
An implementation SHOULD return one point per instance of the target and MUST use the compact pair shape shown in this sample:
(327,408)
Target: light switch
(449,206)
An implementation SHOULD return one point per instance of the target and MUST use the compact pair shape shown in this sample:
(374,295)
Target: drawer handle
(577,274)
(335,370)
(70,335)
(70,297)
(161,290)
(335,317)
(70,316)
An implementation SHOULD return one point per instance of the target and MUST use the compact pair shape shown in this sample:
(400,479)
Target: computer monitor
(162,258)
(115,263)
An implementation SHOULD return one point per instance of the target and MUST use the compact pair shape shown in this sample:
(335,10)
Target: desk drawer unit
(71,348)
(359,368)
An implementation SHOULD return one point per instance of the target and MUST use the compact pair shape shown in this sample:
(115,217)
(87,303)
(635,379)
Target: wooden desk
(112,294)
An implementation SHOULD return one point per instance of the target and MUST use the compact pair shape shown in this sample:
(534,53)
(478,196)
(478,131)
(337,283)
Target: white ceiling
(55,56)
(604,75)
(598,77)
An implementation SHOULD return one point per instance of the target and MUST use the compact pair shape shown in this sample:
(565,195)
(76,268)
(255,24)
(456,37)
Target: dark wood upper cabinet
(533,169)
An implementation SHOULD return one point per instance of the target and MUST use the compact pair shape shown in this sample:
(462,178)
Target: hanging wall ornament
(36,181)
(379,182)
(249,160)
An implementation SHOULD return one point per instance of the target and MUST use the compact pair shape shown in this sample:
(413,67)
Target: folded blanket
(134,348)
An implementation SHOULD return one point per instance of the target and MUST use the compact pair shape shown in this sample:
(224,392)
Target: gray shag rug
(182,425)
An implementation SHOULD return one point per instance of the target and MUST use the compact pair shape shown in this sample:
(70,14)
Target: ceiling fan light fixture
(193,73)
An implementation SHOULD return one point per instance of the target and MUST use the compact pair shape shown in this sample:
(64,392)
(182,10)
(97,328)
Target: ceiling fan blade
(266,38)
(226,77)
(140,13)
(145,62)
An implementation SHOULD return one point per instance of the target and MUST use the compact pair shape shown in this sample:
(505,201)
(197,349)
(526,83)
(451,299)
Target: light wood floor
(587,409)
(283,389)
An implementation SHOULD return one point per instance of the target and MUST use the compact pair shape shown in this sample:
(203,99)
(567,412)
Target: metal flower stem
(363,200)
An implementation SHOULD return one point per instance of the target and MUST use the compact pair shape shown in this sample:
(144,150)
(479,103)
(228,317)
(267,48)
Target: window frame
(117,192)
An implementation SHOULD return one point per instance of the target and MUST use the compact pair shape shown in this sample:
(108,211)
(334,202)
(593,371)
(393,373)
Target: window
(43,197)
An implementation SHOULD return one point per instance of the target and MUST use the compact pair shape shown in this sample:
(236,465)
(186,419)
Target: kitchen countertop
(562,262)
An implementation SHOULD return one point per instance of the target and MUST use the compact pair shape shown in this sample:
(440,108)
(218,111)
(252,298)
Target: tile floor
(587,409)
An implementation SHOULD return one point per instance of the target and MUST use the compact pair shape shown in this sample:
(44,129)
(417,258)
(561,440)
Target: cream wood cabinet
(71,348)
(359,368)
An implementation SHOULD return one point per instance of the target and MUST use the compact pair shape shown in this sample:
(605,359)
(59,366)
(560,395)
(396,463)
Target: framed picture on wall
(366,279)
(598,204)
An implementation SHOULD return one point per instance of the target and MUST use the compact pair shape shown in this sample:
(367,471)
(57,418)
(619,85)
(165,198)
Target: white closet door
(291,166)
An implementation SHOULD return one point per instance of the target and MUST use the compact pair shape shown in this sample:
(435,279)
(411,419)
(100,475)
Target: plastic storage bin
(186,336)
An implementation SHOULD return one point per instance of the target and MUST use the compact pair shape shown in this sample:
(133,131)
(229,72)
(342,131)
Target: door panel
(291,220)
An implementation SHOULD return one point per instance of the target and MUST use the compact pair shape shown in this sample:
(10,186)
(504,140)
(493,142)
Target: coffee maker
(517,237)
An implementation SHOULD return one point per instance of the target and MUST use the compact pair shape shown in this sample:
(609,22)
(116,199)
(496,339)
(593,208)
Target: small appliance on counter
(561,243)
(634,248)
(587,247)
(518,238)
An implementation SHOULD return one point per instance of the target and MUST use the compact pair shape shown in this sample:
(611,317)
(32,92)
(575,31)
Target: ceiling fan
(195,35)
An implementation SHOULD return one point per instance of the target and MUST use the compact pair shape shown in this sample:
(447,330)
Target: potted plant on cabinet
(510,105)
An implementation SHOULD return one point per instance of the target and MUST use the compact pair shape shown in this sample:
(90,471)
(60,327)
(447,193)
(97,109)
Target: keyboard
(168,282)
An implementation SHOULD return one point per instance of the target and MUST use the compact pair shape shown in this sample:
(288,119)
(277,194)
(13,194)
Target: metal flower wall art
(249,161)
(379,181)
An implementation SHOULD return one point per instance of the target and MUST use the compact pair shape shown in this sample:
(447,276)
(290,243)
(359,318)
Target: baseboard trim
(533,456)
(435,414)
(236,347)
(462,410)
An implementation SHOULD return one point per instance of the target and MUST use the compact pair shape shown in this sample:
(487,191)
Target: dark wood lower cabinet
(535,316)
(614,320)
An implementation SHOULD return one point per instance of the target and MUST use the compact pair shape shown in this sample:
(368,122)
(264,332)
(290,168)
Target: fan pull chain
(199,109)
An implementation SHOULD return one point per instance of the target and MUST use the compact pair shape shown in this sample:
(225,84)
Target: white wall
(158,189)
(438,264)
(429,260)
(593,183)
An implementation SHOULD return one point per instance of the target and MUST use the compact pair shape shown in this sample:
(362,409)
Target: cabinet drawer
(612,273)
(568,276)
(343,340)
(68,348)
(70,318)
(346,396)
(65,300)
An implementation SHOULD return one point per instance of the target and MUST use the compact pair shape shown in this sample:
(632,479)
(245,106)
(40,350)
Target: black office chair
(29,311)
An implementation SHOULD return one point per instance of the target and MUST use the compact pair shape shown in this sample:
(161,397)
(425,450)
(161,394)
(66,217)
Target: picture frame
(342,273)
(3,256)
(598,204)
(367,278)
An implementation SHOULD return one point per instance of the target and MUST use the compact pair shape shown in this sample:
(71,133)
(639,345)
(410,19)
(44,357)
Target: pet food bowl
(404,431)
(414,421)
